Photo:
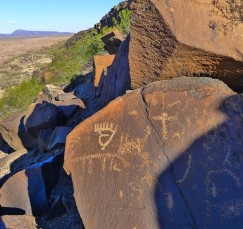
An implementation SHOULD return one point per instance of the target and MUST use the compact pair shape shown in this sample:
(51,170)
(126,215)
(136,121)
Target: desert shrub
(70,61)
(17,99)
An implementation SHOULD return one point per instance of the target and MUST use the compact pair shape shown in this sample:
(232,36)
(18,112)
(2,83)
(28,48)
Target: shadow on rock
(202,187)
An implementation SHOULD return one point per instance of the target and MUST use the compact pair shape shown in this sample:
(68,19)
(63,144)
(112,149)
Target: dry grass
(10,48)
(19,58)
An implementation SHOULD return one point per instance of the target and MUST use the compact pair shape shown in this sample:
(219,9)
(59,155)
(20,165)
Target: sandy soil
(13,47)
(19,58)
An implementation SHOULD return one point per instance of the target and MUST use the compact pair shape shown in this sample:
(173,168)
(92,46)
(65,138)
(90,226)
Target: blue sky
(52,15)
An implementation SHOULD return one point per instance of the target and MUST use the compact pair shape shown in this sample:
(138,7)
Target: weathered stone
(69,107)
(174,38)
(42,116)
(101,63)
(117,80)
(44,139)
(112,41)
(6,162)
(166,156)
(58,138)
(15,134)
(17,222)
(186,38)
(28,190)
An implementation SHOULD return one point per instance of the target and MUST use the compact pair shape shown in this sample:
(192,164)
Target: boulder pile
(151,138)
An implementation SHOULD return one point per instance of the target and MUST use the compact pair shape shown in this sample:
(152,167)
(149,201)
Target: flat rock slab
(166,156)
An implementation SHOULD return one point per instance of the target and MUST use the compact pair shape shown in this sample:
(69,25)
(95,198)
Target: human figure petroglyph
(164,118)
(106,133)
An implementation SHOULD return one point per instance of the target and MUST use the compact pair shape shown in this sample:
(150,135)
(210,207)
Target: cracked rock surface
(167,155)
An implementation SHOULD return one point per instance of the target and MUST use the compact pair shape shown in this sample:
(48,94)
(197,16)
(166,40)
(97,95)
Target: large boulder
(177,38)
(166,156)
(186,38)
(14,133)
(68,104)
(42,116)
(29,190)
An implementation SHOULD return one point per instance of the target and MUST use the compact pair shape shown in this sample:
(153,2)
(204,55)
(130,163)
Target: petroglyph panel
(106,132)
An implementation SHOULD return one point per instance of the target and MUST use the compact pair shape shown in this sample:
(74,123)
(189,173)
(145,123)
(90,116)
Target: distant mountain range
(25,33)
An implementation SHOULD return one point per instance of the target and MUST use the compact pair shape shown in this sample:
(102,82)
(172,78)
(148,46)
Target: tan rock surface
(186,38)
(17,222)
(101,63)
(161,157)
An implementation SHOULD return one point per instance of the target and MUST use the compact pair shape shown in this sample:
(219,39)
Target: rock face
(166,156)
(117,80)
(112,41)
(28,190)
(170,39)
(186,38)
(42,116)
(17,222)
(15,134)
(101,63)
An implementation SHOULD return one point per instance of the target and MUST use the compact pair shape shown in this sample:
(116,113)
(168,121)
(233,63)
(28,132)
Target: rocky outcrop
(14,133)
(112,41)
(28,190)
(179,165)
(42,116)
(166,43)
(117,79)
(190,38)
(107,20)
(101,63)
